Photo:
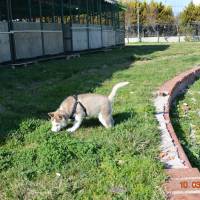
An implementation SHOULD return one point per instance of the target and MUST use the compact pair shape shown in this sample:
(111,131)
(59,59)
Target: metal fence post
(100,8)
(71,24)
(179,35)
(41,27)
(30,10)
(11,35)
(138,22)
(63,28)
(158,35)
(88,36)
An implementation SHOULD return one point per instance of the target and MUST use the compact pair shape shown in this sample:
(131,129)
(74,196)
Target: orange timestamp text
(187,184)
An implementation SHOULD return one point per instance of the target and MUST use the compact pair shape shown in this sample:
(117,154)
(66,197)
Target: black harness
(75,107)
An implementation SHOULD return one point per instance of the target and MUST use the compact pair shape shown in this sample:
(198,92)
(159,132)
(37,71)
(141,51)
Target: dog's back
(95,103)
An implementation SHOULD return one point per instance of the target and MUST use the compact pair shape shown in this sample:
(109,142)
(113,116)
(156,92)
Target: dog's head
(58,120)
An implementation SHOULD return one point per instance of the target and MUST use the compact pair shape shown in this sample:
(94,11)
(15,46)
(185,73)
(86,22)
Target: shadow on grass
(181,134)
(118,118)
(31,92)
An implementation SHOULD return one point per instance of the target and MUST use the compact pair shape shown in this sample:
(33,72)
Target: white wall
(108,36)
(53,41)
(27,44)
(4,43)
(156,39)
(95,41)
(97,38)
(79,37)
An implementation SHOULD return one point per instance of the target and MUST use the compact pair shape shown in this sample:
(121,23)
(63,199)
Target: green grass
(186,123)
(93,163)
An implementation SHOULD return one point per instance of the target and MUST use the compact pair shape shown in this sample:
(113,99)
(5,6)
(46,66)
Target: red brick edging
(186,174)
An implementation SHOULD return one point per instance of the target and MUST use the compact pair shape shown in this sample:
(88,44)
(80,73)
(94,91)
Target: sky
(178,5)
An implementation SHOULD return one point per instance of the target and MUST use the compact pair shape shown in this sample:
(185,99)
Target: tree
(150,13)
(190,14)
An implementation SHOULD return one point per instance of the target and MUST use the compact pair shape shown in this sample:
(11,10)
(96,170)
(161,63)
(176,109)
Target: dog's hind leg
(106,120)
(102,120)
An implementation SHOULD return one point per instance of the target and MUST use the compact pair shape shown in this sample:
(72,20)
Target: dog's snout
(55,130)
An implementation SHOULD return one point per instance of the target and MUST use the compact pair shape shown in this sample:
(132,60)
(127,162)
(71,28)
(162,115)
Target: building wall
(43,28)
(27,44)
(95,39)
(79,37)
(53,41)
(108,36)
(4,43)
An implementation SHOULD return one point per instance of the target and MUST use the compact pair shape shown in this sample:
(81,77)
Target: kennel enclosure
(38,28)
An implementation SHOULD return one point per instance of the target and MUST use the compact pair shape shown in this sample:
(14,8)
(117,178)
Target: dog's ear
(51,114)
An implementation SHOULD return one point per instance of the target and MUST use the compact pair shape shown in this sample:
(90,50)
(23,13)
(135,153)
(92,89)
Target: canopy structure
(64,17)
(75,11)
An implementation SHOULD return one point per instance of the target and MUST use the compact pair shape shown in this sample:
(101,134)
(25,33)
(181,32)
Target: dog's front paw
(70,130)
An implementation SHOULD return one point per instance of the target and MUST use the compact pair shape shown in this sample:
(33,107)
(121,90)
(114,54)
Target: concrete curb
(172,155)
(171,89)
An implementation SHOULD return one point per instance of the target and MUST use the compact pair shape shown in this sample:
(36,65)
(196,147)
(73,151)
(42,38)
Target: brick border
(172,89)
(180,169)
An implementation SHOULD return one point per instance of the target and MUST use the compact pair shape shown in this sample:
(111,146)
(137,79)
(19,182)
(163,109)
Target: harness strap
(75,107)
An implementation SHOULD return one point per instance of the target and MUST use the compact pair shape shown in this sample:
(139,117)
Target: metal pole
(93,11)
(71,31)
(158,33)
(70,13)
(62,21)
(138,22)
(113,14)
(30,11)
(124,26)
(79,3)
(53,11)
(100,8)
(117,17)
(105,12)
(88,36)
(10,28)
(41,27)
(114,23)
(179,35)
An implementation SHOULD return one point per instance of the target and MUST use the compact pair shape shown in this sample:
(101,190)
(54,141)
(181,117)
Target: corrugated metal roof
(119,5)
(111,1)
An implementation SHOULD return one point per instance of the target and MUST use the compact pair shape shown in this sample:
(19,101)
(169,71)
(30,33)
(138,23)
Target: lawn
(185,117)
(93,163)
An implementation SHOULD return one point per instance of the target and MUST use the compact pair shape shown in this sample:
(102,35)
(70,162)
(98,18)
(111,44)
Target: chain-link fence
(163,32)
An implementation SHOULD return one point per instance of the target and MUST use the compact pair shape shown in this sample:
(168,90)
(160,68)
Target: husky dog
(85,105)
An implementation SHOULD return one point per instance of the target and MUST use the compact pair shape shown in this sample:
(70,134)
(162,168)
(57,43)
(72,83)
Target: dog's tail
(114,90)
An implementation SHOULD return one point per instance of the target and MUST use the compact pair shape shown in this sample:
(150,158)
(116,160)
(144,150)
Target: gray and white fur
(96,105)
